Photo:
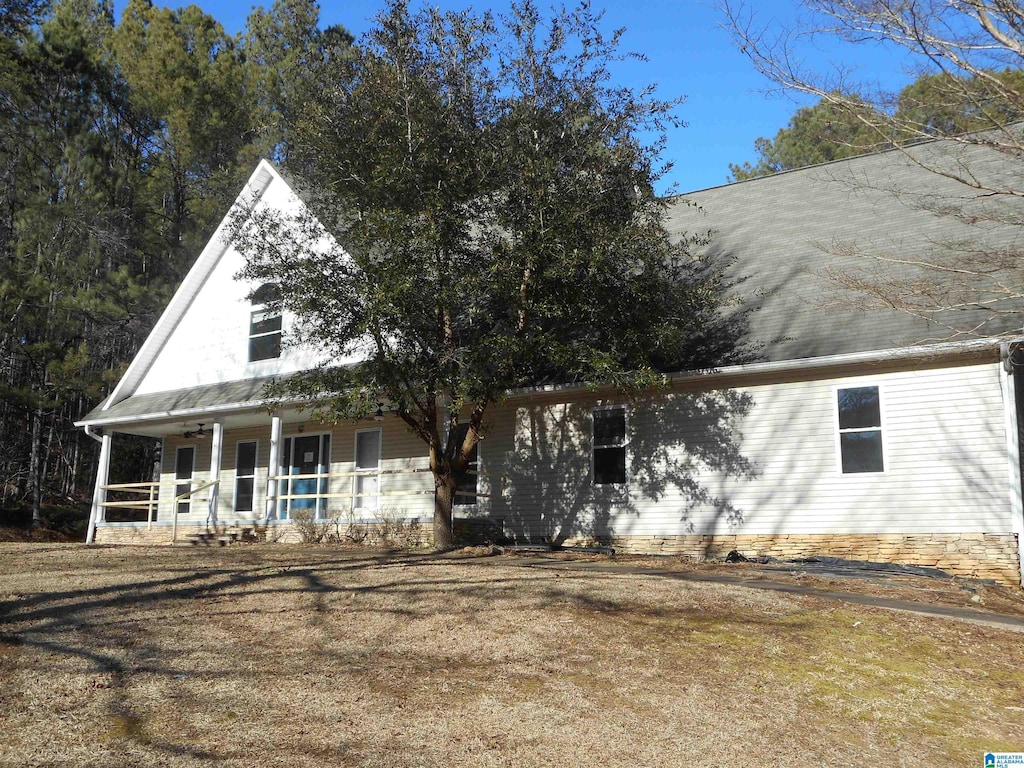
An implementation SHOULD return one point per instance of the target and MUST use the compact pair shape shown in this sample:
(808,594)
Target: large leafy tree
(494,226)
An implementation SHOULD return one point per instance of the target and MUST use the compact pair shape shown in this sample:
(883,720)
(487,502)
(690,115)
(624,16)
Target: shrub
(310,529)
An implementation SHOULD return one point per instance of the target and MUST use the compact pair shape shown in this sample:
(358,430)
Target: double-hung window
(265,324)
(860,430)
(466,488)
(184,466)
(245,475)
(609,457)
(366,481)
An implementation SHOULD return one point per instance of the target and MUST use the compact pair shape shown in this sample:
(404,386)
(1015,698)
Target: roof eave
(913,354)
(917,353)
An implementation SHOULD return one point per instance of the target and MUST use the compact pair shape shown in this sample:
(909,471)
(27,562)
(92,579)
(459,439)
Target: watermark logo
(1004,760)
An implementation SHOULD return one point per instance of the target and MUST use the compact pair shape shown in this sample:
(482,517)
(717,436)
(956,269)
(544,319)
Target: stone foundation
(140,534)
(399,533)
(973,555)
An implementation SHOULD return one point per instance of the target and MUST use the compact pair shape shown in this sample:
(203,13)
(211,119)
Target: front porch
(276,478)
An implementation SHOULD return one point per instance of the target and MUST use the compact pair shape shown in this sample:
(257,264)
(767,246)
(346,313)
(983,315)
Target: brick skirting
(974,555)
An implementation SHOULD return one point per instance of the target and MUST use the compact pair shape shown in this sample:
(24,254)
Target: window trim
(286,464)
(253,476)
(881,428)
(478,469)
(191,479)
(254,309)
(355,466)
(625,444)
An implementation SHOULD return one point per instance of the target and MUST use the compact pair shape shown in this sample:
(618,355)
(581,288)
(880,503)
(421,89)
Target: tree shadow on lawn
(117,631)
(97,625)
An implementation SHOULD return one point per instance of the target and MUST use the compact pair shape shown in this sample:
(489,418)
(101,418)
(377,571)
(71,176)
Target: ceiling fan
(200,433)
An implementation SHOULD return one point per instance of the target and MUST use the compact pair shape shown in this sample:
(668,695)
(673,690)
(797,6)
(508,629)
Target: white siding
(763,459)
(400,451)
(753,460)
(210,344)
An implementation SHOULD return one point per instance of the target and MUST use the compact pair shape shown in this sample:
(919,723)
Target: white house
(859,432)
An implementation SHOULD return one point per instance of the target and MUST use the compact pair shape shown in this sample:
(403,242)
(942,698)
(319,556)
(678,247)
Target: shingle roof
(212,397)
(785,234)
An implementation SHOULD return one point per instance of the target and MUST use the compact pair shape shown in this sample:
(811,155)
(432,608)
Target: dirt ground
(274,655)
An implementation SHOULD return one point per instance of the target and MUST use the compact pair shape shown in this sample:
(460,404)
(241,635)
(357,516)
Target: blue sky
(689,54)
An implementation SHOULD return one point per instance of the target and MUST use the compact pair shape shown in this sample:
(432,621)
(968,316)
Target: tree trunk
(34,467)
(44,471)
(444,495)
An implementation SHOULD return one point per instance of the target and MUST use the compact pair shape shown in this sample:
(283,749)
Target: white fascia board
(254,189)
(178,413)
(912,354)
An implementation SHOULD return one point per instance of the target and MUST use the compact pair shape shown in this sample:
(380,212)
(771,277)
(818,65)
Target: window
(306,459)
(265,324)
(366,484)
(184,465)
(610,446)
(466,488)
(245,475)
(860,430)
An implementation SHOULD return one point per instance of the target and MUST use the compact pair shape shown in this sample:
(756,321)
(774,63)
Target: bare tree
(957,136)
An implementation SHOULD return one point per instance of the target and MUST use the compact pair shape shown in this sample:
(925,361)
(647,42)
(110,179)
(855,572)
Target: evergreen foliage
(968,93)
(934,105)
(121,147)
(485,177)
(816,134)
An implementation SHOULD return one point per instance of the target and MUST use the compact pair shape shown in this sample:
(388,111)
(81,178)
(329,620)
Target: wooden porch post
(274,465)
(216,444)
(99,493)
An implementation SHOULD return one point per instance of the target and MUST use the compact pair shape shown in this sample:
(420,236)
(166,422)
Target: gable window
(245,475)
(466,488)
(265,324)
(609,446)
(860,430)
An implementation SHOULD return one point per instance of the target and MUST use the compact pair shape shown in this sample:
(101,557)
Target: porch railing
(277,496)
(149,492)
(150,504)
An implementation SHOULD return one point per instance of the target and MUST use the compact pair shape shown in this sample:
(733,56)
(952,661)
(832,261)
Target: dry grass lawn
(272,655)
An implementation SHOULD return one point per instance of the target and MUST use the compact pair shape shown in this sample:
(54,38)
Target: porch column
(274,465)
(1011,362)
(99,494)
(216,444)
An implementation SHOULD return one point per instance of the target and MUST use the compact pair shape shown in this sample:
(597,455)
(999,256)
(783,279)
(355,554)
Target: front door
(306,455)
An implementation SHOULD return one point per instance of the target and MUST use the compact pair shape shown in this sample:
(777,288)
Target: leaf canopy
(491,200)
